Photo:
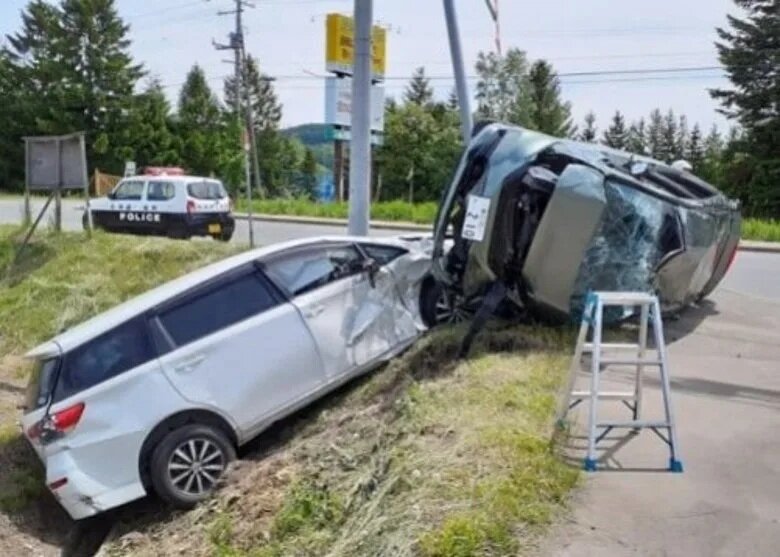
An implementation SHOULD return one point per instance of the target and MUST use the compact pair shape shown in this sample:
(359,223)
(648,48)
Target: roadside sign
(339,46)
(56,162)
(130,169)
(338,103)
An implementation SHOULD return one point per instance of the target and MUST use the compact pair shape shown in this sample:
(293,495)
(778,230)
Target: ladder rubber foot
(590,465)
(675,465)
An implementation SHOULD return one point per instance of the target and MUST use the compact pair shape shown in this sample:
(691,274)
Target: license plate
(215,228)
(474,224)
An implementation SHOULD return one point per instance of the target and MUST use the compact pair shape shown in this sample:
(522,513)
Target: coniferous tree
(668,144)
(748,49)
(148,137)
(694,148)
(655,132)
(682,138)
(616,134)
(636,139)
(77,55)
(266,108)
(589,130)
(549,114)
(452,100)
(200,124)
(419,90)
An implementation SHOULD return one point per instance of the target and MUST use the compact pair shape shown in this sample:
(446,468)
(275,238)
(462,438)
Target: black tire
(224,236)
(184,484)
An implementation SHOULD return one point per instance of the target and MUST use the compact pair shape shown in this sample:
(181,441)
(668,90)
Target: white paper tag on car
(476,218)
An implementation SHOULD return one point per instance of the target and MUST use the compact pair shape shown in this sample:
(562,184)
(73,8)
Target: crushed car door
(327,283)
(386,319)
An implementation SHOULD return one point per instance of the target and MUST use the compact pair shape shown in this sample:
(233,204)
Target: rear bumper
(82,496)
(201,224)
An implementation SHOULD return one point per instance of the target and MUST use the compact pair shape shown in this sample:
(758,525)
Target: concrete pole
(360,153)
(244,117)
(458,70)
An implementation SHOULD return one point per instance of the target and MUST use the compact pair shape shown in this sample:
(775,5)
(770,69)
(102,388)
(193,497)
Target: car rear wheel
(188,463)
(224,236)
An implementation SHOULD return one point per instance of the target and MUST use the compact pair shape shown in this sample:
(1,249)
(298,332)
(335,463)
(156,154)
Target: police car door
(127,204)
(161,204)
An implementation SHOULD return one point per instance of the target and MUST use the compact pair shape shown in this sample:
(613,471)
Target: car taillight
(57,424)
(190,206)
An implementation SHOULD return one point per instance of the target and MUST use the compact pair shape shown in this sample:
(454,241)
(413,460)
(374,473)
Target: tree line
(422,138)
(69,69)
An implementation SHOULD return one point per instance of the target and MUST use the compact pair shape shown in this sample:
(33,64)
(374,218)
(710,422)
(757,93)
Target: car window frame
(141,197)
(56,396)
(363,245)
(162,338)
(265,261)
(147,189)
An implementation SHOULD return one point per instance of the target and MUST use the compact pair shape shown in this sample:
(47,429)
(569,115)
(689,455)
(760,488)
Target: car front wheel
(188,464)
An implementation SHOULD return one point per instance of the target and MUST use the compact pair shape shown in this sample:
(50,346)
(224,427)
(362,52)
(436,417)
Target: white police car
(169,205)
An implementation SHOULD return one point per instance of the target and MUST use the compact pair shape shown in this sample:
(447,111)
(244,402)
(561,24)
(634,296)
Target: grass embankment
(428,456)
(396,211)
(58,281)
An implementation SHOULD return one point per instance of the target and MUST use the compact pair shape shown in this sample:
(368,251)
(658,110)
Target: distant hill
(313,136)
(309,134)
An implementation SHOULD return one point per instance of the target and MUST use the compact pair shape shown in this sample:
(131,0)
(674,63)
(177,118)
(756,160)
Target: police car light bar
(163,171)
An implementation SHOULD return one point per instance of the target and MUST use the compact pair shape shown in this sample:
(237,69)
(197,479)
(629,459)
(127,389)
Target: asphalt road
(754,274)
(266,232)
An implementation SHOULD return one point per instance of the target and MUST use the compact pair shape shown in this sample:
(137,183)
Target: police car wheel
(224,236)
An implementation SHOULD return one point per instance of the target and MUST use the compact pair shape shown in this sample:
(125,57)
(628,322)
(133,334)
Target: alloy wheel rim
(195,466)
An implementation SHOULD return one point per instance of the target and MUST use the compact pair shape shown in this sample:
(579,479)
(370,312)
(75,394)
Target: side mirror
(111,195)
(371,266)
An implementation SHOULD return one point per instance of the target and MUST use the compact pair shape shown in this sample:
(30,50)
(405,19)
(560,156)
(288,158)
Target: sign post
(346,44)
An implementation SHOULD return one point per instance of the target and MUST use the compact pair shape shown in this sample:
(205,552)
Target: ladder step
(588,346)
(635,423)
(609,395)
(630,361)
(625,298)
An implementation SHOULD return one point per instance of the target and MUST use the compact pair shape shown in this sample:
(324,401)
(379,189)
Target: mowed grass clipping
(62,279)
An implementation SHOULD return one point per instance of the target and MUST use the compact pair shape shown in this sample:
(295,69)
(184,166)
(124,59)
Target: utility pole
(246,125)
(458,70)
(360,157)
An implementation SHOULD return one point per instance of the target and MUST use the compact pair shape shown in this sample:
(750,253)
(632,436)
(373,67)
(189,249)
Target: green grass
(430,457)
(60,280)
(765,230)
(398,211)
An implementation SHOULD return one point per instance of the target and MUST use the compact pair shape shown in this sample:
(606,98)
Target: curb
(761,247)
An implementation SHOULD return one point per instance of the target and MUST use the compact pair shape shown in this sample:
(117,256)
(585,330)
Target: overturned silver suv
(540,221)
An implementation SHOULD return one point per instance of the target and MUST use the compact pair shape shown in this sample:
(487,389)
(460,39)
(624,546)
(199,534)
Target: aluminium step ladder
(592,317)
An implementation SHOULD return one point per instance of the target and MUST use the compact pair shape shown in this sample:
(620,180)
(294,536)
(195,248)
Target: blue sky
(287,36)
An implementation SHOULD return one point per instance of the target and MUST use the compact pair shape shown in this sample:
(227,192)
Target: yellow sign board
(340,46)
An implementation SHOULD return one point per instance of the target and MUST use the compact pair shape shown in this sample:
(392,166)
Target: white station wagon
(157,393)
